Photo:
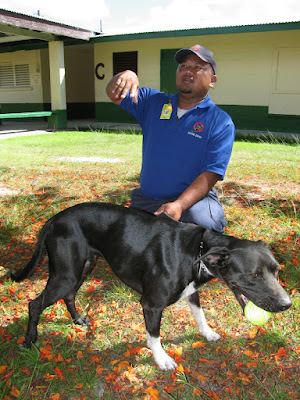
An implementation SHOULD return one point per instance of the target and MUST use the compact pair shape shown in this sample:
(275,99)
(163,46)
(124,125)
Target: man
(187,140)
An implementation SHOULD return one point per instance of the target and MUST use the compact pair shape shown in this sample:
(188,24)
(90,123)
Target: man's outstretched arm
(122,83)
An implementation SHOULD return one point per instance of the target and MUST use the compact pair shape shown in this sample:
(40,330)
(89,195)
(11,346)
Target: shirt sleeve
(137,110)
(220,145)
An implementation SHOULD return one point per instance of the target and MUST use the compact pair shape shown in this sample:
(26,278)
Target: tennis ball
(256,315)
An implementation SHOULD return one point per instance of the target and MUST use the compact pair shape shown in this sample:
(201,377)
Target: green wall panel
(21,107)
(244,117)
(109,112)
(257,118)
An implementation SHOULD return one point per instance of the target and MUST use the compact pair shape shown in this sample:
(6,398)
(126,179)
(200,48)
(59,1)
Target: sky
(125,16)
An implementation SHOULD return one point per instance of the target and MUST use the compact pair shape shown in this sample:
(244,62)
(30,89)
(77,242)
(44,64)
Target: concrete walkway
(10,129)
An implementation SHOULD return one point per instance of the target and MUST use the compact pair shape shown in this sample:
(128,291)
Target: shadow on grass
(7,231)
(81,363)
(249,196)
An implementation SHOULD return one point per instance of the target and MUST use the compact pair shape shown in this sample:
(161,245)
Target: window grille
(14,76)
(22,75)
(125,60)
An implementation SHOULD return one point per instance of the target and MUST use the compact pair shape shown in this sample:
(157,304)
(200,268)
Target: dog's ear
(216,257)
(263,244)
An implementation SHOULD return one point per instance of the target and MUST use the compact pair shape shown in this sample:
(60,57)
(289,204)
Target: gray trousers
(208,212)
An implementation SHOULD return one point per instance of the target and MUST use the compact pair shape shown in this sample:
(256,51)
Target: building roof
(215,30)
(20,27)
(19,31)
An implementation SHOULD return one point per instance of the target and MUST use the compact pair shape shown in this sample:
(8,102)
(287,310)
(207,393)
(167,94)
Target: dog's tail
(35,259)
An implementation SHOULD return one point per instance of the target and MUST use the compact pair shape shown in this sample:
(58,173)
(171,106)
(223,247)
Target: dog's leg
(55,290)
(205,330)
(70,303)
(70,298)
(35,309)
(152,320)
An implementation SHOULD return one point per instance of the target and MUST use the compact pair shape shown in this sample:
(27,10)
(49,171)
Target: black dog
(162,259)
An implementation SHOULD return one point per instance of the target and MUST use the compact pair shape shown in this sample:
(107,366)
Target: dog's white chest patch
(190,289)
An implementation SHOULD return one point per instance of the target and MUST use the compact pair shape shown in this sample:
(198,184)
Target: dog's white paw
(211,336)
(165,362)
(204,329)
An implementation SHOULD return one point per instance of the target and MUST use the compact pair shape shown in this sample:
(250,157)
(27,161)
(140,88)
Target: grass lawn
(41,175)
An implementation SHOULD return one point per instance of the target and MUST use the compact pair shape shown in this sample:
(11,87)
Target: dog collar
(202,267)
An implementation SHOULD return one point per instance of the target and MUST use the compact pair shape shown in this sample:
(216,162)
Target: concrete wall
(79,80)
(258,76)
(33,94)
(79,66)
(249,66)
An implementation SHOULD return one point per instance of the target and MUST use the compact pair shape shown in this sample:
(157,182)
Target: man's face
(194,76)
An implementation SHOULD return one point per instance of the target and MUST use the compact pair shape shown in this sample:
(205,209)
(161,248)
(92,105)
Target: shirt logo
(198,127)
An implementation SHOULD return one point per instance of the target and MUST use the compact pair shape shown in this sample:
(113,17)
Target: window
(124,60)
(14,76)
(287,79)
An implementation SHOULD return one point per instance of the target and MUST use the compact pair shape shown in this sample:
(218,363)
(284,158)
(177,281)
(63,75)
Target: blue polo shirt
(176,151)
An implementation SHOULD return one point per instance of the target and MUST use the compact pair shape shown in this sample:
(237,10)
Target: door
(168,68)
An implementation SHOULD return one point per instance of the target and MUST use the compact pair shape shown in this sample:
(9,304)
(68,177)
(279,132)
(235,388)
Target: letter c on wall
(97,73)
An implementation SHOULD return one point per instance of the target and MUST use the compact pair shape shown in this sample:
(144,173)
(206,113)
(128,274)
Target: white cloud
(121,16)
(179,14)
(86,14)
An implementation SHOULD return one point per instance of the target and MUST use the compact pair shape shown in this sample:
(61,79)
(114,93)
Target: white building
(51,66)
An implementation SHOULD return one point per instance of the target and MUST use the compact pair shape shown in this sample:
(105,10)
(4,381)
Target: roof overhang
(18,27)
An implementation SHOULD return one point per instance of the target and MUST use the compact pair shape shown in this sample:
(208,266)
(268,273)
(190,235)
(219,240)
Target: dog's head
(251,272)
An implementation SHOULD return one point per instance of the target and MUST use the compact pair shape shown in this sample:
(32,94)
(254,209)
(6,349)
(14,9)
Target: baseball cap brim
(183,53)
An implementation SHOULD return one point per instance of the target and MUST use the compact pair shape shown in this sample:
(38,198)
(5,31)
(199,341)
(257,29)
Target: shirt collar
(206,103)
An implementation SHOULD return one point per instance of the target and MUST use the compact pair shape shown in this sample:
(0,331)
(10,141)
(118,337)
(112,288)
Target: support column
(58,119)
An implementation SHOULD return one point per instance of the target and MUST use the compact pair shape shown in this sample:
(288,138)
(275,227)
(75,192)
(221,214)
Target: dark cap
(200,51)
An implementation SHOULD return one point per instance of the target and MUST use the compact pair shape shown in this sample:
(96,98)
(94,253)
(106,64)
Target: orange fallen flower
(14,391)
(130,375)
(213,395)
(59,373)
(91,288)
(208,361)
(197,345)
(55,397)
(153,393)
(3,369)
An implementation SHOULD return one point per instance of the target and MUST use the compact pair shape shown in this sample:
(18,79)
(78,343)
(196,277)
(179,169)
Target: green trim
(244,117)
(258,118)
(16,46)
(22,107)
(284,26)
(74,110)
(58,120)
(36,45)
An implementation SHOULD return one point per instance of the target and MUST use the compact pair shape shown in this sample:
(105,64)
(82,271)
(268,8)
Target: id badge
(166,111)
